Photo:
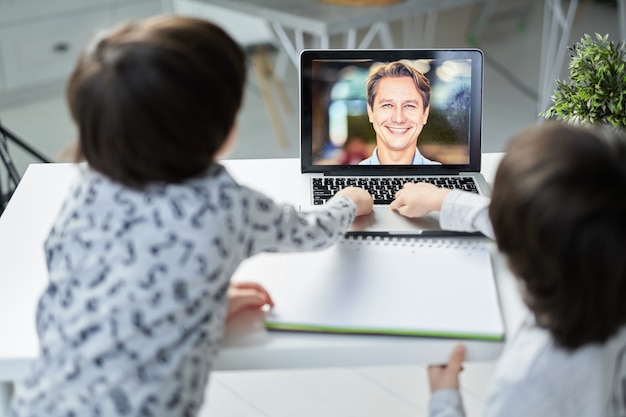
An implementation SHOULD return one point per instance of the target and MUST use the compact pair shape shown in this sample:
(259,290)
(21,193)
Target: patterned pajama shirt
(134,311)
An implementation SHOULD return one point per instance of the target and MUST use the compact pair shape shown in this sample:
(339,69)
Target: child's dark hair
(154,100)
(558,211)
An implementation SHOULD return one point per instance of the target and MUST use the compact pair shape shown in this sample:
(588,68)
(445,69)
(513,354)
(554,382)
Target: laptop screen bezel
(309,56)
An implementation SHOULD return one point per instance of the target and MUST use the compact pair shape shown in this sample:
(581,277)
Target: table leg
(621,16)
(351,39)
(428,36)
(407,31)
(377,29)
(298,40)
(6,391)
(486,11)
(292,49)
(385,36)
(555,37)
(324,42)
(413,37)
(288,47)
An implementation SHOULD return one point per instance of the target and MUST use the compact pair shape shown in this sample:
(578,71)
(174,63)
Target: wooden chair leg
(264,85)
(278,86)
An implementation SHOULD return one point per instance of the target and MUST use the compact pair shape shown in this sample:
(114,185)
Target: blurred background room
(39,42)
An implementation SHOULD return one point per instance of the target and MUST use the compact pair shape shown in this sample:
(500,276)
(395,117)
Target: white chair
(258,40)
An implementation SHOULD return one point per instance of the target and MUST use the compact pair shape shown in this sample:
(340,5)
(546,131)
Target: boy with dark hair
(558,212)
(142,252)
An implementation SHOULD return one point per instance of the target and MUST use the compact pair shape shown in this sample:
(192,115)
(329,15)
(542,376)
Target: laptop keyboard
(383,189)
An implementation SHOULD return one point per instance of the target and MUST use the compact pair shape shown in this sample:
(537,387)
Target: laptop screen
(384,111)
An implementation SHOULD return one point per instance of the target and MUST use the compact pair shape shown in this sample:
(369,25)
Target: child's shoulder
(533,357)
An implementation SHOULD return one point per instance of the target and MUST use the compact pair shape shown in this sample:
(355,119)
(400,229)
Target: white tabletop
(23,228)
(247,345)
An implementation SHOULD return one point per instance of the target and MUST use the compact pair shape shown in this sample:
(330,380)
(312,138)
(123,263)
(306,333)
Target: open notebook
(428,287)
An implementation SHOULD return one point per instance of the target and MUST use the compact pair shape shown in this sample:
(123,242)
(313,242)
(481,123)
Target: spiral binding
(442,242)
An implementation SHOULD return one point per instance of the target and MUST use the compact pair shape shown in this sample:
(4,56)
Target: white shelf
(40,41)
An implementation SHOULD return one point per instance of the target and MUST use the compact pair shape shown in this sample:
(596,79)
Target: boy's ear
(229,143)
(71,153)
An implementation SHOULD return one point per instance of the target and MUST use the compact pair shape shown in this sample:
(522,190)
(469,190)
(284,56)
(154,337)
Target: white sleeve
(446,403)
(466,212)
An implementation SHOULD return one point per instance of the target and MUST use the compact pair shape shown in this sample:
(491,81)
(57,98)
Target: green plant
(596,91)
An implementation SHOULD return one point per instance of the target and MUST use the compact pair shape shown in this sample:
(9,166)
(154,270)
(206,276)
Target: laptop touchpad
(382,220)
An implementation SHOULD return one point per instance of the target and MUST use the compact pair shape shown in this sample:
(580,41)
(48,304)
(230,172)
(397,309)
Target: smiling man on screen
(398,104)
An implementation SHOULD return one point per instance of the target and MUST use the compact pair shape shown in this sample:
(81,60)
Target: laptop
(340,146)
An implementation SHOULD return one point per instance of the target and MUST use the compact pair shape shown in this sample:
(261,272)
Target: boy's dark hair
(397,69)
(154,100)
(558,211)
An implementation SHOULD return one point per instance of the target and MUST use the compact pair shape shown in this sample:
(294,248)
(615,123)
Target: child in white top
(142,252)
(558,211)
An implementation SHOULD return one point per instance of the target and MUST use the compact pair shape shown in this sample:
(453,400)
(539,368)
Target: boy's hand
(361,198)
(416,200)
(246,295)
(447,376)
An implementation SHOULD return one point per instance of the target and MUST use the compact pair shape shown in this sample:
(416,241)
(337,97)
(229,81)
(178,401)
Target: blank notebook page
(431,287)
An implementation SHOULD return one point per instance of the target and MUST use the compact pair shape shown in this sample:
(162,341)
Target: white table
(248,345)
(322,20)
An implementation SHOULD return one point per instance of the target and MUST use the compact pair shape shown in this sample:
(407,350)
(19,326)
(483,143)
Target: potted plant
(596,91)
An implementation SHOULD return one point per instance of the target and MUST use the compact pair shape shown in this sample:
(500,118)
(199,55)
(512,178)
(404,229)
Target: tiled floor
(511,79)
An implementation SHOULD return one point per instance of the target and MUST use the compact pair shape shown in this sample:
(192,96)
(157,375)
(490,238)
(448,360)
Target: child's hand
(361,198)
(447,376)
(246,295)
(416,200)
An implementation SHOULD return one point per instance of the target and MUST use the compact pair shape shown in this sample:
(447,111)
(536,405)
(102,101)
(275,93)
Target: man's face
(398,114)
